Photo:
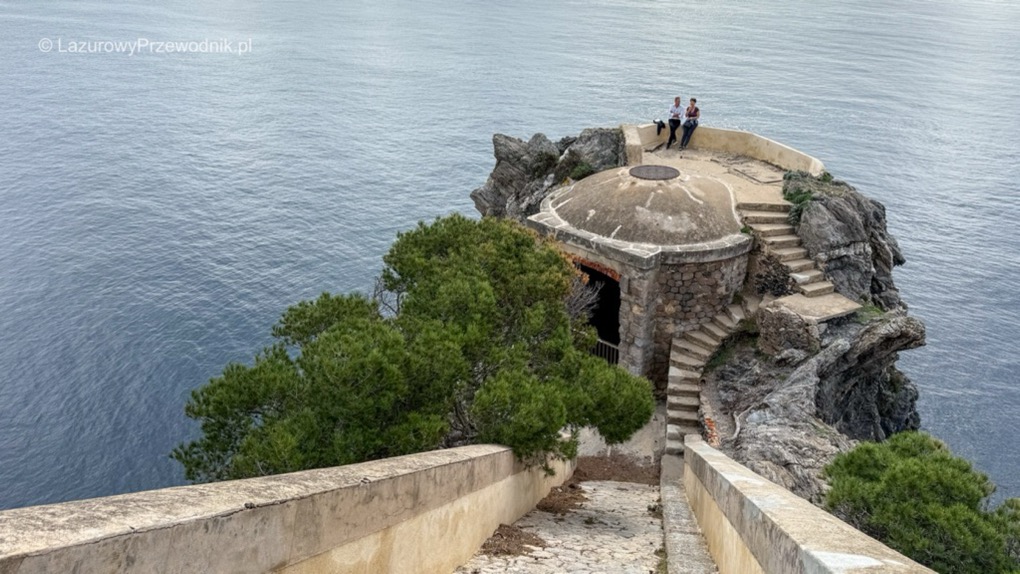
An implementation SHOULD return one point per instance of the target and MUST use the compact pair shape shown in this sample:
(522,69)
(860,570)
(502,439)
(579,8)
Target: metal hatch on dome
(654,172)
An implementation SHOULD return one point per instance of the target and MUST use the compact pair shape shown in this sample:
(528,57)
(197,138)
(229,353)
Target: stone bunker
(663,244)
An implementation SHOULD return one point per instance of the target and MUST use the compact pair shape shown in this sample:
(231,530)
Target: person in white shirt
(676,113)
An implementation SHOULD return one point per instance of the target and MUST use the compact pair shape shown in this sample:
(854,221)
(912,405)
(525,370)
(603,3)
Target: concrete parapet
(428,512)
(752,525)
(633,149)
(641,138)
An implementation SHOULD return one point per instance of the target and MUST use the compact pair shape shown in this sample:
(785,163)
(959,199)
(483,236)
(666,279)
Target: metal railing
(607,351)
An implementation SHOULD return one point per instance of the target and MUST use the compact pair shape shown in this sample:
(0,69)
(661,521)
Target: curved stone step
(798,265)
(692,348)
(679,373)
(677,431)
(758,216)
(780,241)
(702,339)
(715,331)
(683,389)
(682,418)
(772,229)
(723,320)
(675,446)
(807,276)
(685,361)
(678,402)
(685,430)
(790,253)
(771,206)
(817,289)
(736,312)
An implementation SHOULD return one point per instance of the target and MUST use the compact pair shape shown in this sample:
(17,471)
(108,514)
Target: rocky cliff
(794,394)
(526,171)
(845,232)
(786,412)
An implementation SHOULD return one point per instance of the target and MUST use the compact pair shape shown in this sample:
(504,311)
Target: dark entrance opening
(605,316)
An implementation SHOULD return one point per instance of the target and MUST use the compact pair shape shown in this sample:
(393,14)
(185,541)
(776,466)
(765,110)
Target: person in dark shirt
(691,116)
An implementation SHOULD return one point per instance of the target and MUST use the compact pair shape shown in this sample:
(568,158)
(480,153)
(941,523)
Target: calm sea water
(159,211)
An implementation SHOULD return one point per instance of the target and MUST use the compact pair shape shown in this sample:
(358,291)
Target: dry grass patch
(511,541)
(563,499)
(616,467)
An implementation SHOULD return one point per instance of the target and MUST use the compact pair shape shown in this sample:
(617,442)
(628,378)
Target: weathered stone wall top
(271,523)
(643,137)
(784,533)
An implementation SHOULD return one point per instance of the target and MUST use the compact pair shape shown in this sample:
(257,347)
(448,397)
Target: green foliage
(913,494)
(581,171)
(663,565)
(1007,520)
(799,197)
(868,312)
(748,326)
(745,335)
(543,164)
(303,322)
(798,189)
(720,357)
(345,398)
(518,409)
(480,347)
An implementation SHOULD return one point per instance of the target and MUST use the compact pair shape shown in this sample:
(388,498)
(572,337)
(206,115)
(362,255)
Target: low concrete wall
(754,526)
(641,138)
(427,512)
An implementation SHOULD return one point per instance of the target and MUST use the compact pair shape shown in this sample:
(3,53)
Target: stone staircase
(688,356)
(769,223)
(690,352)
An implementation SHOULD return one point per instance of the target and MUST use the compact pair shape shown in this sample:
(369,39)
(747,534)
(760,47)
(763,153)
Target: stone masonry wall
(637,296)
(689,295)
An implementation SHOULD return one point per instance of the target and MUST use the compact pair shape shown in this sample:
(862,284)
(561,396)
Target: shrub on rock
(911,493)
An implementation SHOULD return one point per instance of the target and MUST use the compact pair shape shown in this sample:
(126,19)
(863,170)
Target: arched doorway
(606,314)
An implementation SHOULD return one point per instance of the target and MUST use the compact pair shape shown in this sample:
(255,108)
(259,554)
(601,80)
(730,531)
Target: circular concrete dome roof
(655,205)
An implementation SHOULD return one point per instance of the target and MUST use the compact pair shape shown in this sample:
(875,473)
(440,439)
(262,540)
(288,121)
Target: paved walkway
(685,546)
(612,533)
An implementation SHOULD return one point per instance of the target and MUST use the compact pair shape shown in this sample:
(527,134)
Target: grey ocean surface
(159,211)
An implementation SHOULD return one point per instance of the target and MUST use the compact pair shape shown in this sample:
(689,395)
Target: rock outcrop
(526,171)
(779,434)
(845,233)
(860,391)
(781,330)
(807,401)
(799,393)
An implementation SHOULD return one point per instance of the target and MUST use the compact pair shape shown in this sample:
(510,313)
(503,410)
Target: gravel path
(612,533)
